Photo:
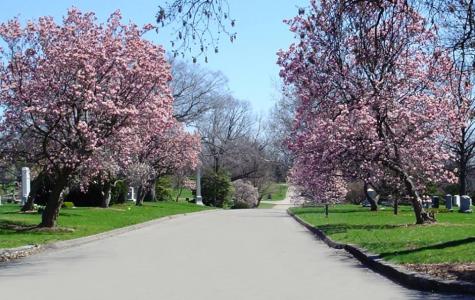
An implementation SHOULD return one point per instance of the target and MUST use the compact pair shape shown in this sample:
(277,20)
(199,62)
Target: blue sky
(249,63)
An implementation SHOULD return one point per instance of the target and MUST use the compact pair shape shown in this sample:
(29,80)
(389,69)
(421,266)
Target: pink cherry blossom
(78,94)
(373,98)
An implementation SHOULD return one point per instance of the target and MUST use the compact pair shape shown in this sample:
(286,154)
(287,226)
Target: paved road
(291,199)
(247,254)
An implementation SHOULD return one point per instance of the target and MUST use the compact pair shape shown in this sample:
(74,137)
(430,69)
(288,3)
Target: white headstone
(456,200)
(131,194)
(25,184)
(372,193)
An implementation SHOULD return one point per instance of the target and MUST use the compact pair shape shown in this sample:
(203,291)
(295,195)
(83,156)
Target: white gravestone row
(25,188)
(464,203)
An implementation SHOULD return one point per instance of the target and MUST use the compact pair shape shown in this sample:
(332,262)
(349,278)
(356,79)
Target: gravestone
(448,202)
(435,201)
(373,195)
(426,201)
(25,184)
(456,200)
(131,194)
(365,203)
(465,204)
(199,198)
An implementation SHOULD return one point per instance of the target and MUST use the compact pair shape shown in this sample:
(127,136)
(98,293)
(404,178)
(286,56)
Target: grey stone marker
(131,194)
(25,184)
(199,199)
(448,201)
(373,195)
(435,201)
(456,200)
(465,204)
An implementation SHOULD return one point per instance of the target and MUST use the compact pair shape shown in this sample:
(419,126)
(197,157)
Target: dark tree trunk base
(426,218)
(374,205)
(51,212)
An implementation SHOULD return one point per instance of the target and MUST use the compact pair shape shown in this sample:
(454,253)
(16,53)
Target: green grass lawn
(185,193)
(84,221)
(278,192)
(395,238)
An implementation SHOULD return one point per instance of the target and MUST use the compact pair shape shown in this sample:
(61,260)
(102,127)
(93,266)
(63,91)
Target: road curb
(394,272)
(14,254)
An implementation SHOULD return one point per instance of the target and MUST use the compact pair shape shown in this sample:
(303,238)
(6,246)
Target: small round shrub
(163,189)
(245,195)
(216,188)
(68,205)
(119,192)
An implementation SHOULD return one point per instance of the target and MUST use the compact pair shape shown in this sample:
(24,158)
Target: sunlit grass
(84,221)
(396,238)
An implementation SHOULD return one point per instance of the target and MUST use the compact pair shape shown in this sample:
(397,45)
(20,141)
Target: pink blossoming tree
(173,151)
(75,91)
(373,101)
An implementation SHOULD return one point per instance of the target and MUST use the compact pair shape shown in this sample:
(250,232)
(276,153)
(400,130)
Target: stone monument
(465,204)
(456,200)
(435,201)
(25,184)
(199,199)
(448,202)
(131,194)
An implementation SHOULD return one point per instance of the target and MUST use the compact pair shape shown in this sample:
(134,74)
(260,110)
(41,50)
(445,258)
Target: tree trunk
(216,164)
(51,212)
(152,193)
(372,202)
(463,181)
(106,195)
(259,199)
(422,216)
(141,192)
(463,162)
(180,190)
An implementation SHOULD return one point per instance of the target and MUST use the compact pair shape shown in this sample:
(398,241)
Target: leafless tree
(455,20)
(235,140)
(281,120)
(195,91)
(222,127)
(198,24)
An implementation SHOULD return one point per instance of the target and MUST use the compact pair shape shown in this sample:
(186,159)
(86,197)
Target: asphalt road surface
(240,254)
